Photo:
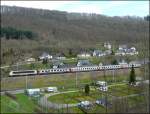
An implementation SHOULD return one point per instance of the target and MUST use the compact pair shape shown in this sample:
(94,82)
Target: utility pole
(17,65)
(113,74)
(106,92)
(26,82)
(76,80)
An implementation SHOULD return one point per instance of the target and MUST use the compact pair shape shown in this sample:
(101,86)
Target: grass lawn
(66,98)
(97,109)
(75,97)
(133,101)
(123,90)
(23,104)
(70,110)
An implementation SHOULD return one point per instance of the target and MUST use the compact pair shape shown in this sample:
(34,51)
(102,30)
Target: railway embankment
(66,80)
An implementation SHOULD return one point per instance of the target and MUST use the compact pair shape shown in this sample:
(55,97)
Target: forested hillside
(56,31)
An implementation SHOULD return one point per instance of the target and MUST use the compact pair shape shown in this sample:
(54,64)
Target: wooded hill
(60,31)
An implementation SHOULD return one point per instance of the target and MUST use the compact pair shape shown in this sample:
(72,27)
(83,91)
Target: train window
(16,72)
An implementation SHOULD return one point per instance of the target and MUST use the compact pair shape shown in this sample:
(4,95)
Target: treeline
(13,33)
(147,18)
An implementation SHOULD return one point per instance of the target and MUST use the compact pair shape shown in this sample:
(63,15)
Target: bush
(87,89)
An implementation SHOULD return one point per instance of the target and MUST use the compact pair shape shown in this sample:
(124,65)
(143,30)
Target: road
(47,104)
(13,91)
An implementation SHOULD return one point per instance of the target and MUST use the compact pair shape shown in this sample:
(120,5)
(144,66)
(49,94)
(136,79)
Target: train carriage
(57,70)
(23,73)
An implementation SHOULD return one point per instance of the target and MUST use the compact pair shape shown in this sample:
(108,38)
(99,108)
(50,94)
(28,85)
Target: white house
(103,102)
(98,53)
(84,55)
(123,47)
(83,63)
(60,56)
(102,85)
(120,52)
(30,60)
(33,92)
(45,56)
(123,63)
(51,89)
(58,64)
(100,64)
(85,104)
(131,51)
(107,45)
(108,52)
(133,48)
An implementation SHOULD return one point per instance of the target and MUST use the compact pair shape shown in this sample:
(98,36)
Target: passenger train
(73,69)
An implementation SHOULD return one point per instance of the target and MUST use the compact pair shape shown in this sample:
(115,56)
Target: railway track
(71,70)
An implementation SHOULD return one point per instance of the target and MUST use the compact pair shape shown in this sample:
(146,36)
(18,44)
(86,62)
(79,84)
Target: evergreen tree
(114,62)
(132,78)
(87,89)
(45,61)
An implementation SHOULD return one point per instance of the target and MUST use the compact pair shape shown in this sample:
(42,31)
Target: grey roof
(84,62)
(58,63)
(98,51)
(44,54)
(120,51)
(129,50)
(104,101)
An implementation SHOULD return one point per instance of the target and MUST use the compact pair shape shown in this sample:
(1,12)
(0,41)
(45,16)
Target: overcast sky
(110,8)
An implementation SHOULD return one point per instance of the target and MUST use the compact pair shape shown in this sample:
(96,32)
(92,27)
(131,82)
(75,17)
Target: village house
(123,50)
(83,63)
(30,60)
(45,56)
(131,51)
(85,104)
(122,62)
(120,52)
(103,102)
(100,64)
(98,53)
(108,52)
(107,45)
(84,55)
(60,56)
(122,47)
(102,85)
(58,64)
(51,89)
(33,92)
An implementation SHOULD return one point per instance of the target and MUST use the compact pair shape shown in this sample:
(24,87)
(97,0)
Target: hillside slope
(59,31)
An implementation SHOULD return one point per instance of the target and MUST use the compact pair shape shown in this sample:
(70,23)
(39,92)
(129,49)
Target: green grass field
(23,104)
